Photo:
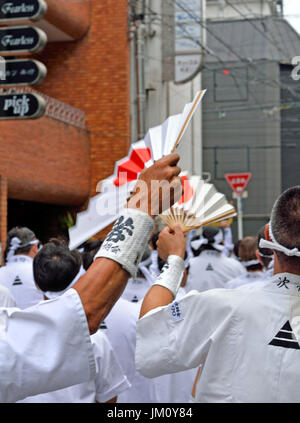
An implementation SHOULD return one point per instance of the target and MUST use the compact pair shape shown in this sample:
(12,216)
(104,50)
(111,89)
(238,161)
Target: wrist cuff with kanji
(127,240)
(171,274)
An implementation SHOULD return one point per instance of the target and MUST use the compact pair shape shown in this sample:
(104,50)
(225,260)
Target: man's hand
(158,187)
(171,242)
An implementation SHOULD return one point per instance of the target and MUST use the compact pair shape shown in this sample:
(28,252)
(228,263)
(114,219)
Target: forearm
(165,287)
(114,263)
(99,289)
(156,296)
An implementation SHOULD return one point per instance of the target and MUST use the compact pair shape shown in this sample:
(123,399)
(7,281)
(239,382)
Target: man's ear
(34,249)
(259,258)
(267,232)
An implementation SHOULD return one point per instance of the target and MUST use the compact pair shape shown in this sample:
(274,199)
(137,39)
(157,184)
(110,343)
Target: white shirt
(248,341)
(212,270)
(107,384)
(6,299)
(136,289)
(120,328)
(249,277)
(17,276)
(34,345)
(174,387)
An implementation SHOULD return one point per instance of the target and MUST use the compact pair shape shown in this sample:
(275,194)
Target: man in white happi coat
(17,274)
(35,342)
(56,269)
(257,261)
(247,256)
(248,341)
(211,269)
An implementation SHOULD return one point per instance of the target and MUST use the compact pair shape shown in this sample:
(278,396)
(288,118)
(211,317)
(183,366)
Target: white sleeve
(177,337)
(44,348)
(110,380)
(228,243)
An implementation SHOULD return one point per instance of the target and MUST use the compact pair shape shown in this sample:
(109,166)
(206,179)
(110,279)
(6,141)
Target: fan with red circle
(105,207)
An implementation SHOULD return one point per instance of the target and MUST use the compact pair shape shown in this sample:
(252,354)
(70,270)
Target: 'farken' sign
(21,39)
(16,10)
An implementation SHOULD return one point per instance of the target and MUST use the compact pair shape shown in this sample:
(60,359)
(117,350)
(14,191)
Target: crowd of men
(151,315)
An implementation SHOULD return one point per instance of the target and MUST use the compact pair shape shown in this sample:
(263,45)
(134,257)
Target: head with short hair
(55,266)
(285,224)
(215,239)
(247,253)
(24,237)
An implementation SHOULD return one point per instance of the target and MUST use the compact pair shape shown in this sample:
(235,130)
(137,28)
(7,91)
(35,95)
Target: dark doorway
(45,220)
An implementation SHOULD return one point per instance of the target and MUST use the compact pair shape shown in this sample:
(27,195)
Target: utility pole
(140,65)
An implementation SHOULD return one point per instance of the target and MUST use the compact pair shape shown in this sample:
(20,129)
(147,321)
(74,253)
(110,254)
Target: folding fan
(200,205)
(159,141)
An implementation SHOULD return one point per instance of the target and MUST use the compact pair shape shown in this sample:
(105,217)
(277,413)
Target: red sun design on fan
(188,190)
(129,170)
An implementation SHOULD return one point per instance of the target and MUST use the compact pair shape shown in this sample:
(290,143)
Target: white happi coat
(211,269)
(248,341)
(136,289)
(120,327)
(44,348)
(6,299)
(248,277)
(108,383)
(17,276)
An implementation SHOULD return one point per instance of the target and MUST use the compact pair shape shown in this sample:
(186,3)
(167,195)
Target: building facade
(50,166)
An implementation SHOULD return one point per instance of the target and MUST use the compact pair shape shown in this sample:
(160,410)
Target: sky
(291,10)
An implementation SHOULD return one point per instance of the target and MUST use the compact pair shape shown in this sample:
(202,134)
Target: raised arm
(122,249)
(171,248)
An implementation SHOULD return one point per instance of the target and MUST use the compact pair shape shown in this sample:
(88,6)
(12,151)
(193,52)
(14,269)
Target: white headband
(218,238)
(15,244)
(274,245)
(250,262)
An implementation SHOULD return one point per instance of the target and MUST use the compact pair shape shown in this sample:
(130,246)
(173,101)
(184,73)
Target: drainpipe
(140,67)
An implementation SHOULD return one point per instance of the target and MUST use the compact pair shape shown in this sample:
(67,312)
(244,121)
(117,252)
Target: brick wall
(91,74)
(45,160)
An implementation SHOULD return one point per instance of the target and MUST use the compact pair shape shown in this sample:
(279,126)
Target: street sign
(16,10)
(21,40)
(22,72)
(238,181)
(22,106)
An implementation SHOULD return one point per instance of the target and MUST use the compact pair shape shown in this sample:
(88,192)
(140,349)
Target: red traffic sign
(238,181)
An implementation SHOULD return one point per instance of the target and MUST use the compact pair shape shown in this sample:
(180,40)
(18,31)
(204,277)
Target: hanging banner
(21,40)
(22,72)
(16,10)
(22,106)
(189,39)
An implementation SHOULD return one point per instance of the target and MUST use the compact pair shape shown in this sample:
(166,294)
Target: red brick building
(51,165)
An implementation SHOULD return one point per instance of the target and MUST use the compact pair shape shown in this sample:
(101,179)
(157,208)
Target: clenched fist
(158,186)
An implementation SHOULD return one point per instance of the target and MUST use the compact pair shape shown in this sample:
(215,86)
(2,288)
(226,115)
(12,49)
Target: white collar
(285,283)
(19,258)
